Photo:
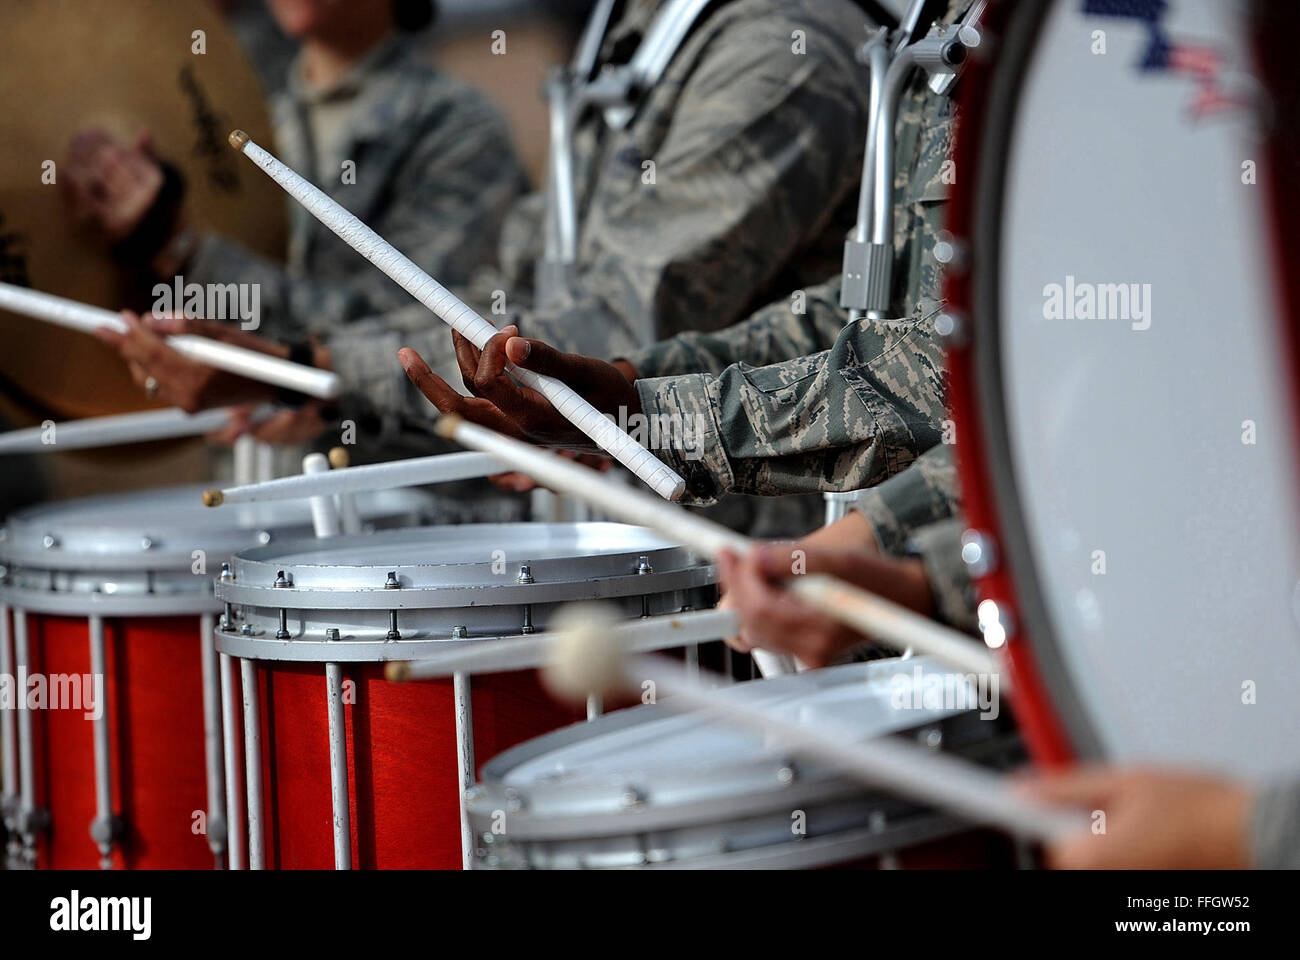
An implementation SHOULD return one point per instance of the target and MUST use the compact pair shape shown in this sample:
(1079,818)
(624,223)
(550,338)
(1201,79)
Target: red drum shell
(401,746)
(154,694)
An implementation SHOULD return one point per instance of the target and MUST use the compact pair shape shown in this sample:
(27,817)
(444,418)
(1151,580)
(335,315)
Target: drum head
(123,67)
(650,786)
(1134,387)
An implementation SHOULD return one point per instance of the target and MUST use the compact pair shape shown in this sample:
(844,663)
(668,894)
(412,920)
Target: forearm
(844,419)
(923,494)
(807,322)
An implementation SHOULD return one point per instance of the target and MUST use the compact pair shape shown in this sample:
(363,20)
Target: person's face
(302,18)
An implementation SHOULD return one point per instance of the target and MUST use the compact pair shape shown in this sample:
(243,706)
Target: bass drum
(70,65)
(1123,385)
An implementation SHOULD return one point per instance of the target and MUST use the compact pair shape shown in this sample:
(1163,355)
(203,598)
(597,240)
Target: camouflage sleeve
(924,493)
(843,419)
(939,547)
(757,129)
(364,355)
(807,323)
(1275,826)
(451,195)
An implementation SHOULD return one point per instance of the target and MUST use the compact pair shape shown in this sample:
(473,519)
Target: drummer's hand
(181,382)
(111,183)
(497,401)
(1154,820)
(281,428)
(772,618)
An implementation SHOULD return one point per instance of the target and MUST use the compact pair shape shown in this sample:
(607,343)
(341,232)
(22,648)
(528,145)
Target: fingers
(1087,786)
(241,419)
(466,358)
(513,482)
(433,387)
(447,400)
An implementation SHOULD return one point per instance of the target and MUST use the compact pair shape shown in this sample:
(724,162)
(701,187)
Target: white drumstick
(214,353)
(523,653)
(883,620)
(120,429)
(379,476)
(452,311)
(588,662)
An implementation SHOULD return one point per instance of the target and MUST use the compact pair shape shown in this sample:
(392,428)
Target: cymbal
(70,65)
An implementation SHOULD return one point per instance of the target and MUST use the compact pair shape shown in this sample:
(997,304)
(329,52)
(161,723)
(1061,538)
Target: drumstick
(881,619)
(213,353)
(521,653)
(456,314)
(119,429)
(587,662)
(379,476)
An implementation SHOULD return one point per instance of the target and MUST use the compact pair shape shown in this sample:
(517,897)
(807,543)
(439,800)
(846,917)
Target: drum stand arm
(869,253)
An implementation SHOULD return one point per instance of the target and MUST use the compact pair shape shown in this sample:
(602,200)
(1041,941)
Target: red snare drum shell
(401,746)
(153,691)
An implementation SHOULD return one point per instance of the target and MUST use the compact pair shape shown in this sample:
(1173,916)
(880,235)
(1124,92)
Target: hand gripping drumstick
(456,314)
(586,661)
(879,618)
(214,353)
(415,472)
(119,429)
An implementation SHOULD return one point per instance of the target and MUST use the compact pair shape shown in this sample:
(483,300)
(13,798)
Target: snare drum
(1122,384)
(344,768)
(108,597)
(649,787)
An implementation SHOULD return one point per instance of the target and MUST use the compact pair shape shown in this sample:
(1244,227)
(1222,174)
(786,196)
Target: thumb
(540,357)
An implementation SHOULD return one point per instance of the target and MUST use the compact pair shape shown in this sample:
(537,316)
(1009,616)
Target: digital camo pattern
(755,134)
(435,173)
(781,417)
(925,493)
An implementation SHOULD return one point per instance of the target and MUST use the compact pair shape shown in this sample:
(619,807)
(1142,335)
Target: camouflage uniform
(757,152)
(849,416)
(435,173)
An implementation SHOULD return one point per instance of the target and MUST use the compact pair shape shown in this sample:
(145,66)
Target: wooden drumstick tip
(339,458)
(213,498)
(237,139)
(397,670)
(446,425)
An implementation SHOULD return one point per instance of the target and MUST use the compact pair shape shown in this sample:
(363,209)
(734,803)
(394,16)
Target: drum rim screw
(786,775)
(264,537)
(226,574)
(332,633)
(283,580)
(978,552)
(49,541)
(631,797)
(932,737)
(146,543)
(459,632)
(950,327)
(643,566)
(525,574)
(392,583)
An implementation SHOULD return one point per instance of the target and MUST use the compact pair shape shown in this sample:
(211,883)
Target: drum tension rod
(526,576)
(282,582)
(392,583)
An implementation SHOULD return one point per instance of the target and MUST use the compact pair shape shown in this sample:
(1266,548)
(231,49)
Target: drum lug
(951,252)
(525,577)
(978,553)
(393,583)
(996,624)
(951,328)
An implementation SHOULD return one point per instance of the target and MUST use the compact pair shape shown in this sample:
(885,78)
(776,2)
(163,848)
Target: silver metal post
(8,746)
(340,806)
(29,817)
(595,706)
(230,740)
(464,762)
(101,829)
(212,740)
(253,764)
